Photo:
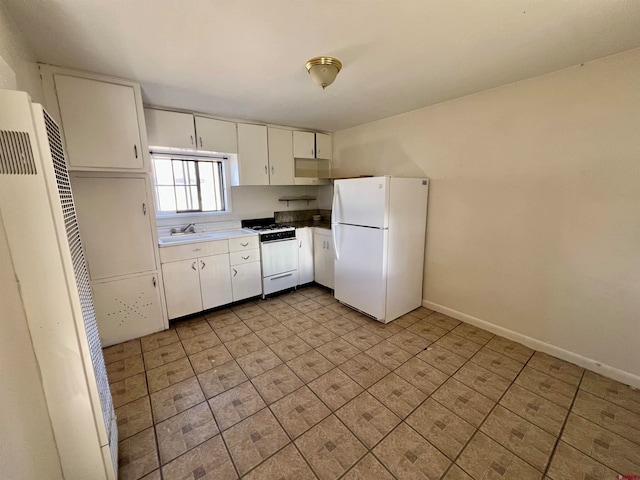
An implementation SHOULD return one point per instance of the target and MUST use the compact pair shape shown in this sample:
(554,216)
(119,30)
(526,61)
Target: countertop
(203,237)
(310,223)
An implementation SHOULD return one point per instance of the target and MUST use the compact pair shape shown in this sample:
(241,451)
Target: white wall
(534,213)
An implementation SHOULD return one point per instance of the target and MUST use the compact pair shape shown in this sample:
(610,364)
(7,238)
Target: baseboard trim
(585,362)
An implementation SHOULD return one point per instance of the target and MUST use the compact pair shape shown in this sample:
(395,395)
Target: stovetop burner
(262,225)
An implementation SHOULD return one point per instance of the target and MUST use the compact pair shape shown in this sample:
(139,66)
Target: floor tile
(427,330)
(406,320)
(259,362)
(458,345)
(242,346)
(335,388)
(339,308)
(338,351)
(121,351)
(539,411)
(571,464)
(384,330)
(317,335)
(175,399)
(186,330)
(357,317)
(397,394)
(155,475)
(513,350)
(254,439)
(610,449)
(163,355)
(260,322)
(168,374)
(464,401)
(443,321)
(222,378)
(271,304)
(497,363)
(221,319)
(362,338)
(552,389)
(322,315)
(565,371)
(299,411)
(290,348)
(292,298)
(287,464)
(340,325)
(521,437)
(369,419)
(236,404)
(484,458)
(158,339)
(611,391)
(421,312)
(608,415)
(307,306)
(388,354)
(310,365)
(134,417)
(276,383)
(456,473)
(482,380)
(409,341)
(185,431)
(233,331)
(200,342)
(407,455)
(285,313)
(330,448)
(444,360)
(472,333)
(274,333)
(128,390)
(209,461)
(210,358)
(299,323)
(364,369)
(422,375)
(249,311)
(127,367)
(137,455)
(368,468)
(441,427)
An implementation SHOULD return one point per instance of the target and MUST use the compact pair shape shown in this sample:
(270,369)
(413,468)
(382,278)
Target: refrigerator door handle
(335,244)
(336,192)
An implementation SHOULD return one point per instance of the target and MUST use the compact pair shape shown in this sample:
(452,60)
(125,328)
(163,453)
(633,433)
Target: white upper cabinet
(280,156)
(216,135)
(253,155)
(304,144)
(100,123)
(169,129)
(324,146)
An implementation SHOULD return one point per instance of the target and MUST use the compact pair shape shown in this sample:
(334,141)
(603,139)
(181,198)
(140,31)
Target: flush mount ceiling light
(323,70)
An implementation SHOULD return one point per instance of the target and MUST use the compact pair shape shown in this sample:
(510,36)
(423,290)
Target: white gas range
(279,252)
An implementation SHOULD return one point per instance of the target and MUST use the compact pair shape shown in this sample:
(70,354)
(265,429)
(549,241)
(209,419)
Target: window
(189,184)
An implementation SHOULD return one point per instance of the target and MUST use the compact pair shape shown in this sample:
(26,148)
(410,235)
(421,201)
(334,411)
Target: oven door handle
(279,240)
(281,276)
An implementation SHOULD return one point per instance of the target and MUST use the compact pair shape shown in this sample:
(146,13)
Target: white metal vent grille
(80,269)
(16,156)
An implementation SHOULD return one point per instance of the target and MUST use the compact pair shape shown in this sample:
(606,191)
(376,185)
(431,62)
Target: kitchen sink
(202,237)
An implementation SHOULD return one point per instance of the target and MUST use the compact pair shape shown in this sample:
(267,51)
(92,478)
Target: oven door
(279,256)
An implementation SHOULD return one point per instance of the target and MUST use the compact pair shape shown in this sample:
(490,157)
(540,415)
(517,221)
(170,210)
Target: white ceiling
(245,59)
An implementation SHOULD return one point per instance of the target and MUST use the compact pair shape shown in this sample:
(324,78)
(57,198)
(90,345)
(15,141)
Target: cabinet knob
(193,265)
(200,141)
(235,272)
(244,244)
(191,139)
(144,208)
(266,171)
(272,170)
(154,281)
(135,150)
(246,258)
(202,264)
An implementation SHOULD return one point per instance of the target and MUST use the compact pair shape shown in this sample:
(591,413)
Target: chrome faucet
(188,229)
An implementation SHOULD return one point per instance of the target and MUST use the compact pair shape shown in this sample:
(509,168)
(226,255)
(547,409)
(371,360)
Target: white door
(182,287)
(361,201)
(323,146)
(279,257)
(246,280)
(253,154)
(305,255)
(304,144)
(115,226)
(216,135)
(215,281)
(127,308)
(361,268)
(100,123)
(280,156)
(169,129)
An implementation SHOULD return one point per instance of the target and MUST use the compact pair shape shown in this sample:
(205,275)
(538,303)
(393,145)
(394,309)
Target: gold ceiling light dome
(323,70)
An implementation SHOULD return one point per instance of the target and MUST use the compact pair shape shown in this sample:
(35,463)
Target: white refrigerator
(379,229)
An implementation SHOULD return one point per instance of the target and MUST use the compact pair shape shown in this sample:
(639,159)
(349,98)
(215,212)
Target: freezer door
(361,201)
(361,268)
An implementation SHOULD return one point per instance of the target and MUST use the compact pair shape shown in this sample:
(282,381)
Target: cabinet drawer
(193,250)
(238,258)
(243,243)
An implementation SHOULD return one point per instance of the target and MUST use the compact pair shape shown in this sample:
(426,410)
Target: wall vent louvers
(16,156)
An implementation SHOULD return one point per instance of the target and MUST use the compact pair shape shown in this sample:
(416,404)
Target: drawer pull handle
(193,265)
(244,244)
(154,281)
(135,150)
(281,276)
(246,258)
(203,264)
(235,272)
(191,139)
(197,249)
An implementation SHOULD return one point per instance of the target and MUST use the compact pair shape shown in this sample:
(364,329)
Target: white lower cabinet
(246,280)
(215,281)
(305,255)
(323,257)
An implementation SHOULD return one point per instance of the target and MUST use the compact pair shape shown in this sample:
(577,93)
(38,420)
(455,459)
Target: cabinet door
(216,135)
(215,281)
(115,225)
(182,287)
(319,248)
(246,280)
(304,145)
(280,156)
(253,155)
(100,123)
(169,129)
(323,146)
(127,308)
(305,255)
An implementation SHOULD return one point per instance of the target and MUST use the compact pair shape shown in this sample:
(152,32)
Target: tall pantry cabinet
(108,158)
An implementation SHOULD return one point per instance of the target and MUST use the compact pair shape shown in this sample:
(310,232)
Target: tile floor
(302,387)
